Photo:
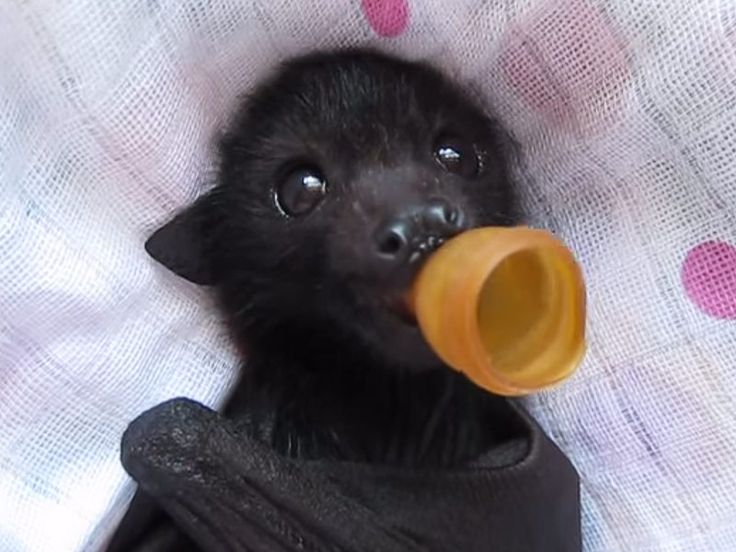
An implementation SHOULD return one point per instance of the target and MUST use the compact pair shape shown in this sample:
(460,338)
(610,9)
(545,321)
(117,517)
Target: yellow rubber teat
(505,306)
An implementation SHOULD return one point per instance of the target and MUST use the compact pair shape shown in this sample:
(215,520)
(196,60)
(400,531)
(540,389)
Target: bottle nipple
(505,306)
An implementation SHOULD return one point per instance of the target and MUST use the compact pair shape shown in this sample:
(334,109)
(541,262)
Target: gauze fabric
(625,112)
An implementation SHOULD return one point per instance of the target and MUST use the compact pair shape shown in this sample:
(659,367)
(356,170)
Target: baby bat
(338,176)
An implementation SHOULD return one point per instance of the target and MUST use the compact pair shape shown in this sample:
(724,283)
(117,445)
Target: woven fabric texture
(626,112)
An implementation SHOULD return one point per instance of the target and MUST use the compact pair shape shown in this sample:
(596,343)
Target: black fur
(329,363)
(333,371)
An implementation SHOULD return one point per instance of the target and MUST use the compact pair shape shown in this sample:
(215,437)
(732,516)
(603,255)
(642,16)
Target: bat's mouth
(399,307)
(396,334)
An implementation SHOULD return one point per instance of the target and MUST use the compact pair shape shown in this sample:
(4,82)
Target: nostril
(458,220)
(390,243)
(444,217)
(451,214)
(392,240)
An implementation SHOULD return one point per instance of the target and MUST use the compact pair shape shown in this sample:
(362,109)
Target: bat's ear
(180,244)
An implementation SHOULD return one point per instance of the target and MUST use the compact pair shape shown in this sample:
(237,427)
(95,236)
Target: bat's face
(338,179)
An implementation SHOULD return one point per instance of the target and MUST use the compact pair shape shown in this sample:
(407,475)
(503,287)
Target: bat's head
(338,177)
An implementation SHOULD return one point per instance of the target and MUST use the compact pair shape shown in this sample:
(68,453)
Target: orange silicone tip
(505,306)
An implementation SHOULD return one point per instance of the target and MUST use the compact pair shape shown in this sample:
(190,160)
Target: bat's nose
(416,231)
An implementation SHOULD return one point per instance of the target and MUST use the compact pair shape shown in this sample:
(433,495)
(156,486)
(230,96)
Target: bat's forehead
(360,106)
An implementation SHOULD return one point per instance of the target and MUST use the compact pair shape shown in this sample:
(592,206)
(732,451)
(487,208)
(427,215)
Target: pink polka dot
(388,18)
(709,277)
(567,62)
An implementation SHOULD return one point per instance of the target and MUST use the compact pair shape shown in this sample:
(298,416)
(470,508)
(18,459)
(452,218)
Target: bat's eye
(301,190)
(456,155)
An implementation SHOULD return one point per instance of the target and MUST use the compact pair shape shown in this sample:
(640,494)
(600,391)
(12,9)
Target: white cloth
(626,111)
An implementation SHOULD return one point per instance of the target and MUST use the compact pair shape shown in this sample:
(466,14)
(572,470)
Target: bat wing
(230,492)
